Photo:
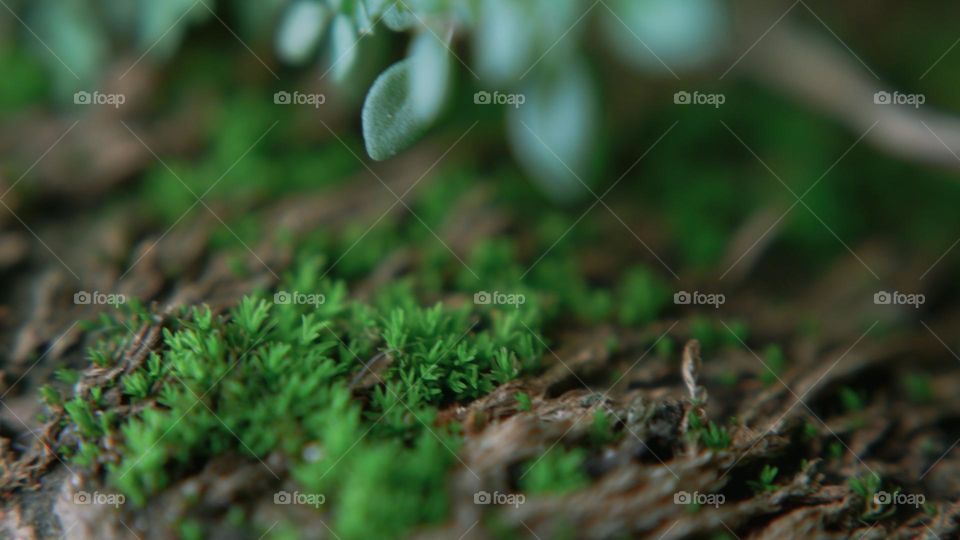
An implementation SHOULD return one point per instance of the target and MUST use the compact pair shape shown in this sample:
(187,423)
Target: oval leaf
(553,133)
(390,122)
(502,40)
(300,30)
(343,49)
(429,75)
(398,18)
(681,34)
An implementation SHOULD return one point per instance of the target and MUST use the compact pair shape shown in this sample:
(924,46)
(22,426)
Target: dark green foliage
(852,401)
(919,387)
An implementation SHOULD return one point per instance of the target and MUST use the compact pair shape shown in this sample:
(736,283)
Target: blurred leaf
(553,134)
(361,16)
(77,40)
(301,30)
(502,40)
(398,18)
(23,82)
(680,33)
(429,75)
(343,50)
(164,22)
(390,122)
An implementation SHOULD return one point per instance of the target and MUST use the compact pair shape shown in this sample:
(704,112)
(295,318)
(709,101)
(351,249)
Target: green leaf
(429,75)
(163,23)
(301,30)
(502,40)
(343,48)
(390,121)
(553,133)
(398,18)
(681,34)
(78,40)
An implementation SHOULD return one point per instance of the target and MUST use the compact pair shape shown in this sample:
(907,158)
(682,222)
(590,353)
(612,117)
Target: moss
(711,435)
(775,360)
(601,430)
(556,471)
(765,482)
(273,376)
(919,388)
(643,296)
(523,402)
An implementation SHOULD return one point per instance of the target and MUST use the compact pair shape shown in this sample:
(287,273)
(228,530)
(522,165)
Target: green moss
(601,430)
(765,482)
(711,435)
(852,400)
(775,360)
(919,387)
(523,402)
(274,376)
(556,471)
(642,297)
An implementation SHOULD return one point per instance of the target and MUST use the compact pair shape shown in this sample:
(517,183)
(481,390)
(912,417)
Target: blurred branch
(827,78)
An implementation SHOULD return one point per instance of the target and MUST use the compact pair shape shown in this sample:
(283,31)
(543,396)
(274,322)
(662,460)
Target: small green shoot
(919,388)
(523,402)
(765,483)
(775,360)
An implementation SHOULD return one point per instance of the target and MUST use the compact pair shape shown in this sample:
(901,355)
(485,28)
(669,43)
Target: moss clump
(556,471)
(273,376)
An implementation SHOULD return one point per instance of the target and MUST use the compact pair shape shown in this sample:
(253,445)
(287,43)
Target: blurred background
(800,158)
(193,87)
